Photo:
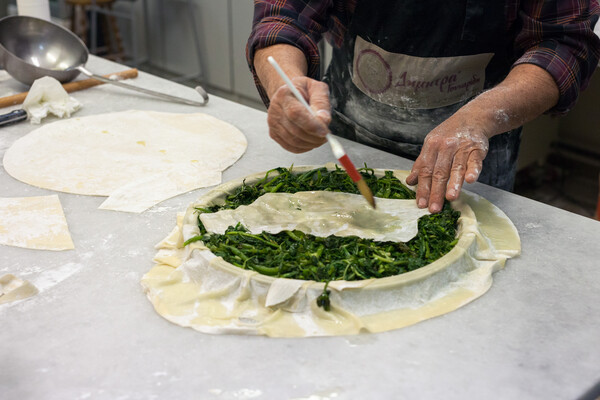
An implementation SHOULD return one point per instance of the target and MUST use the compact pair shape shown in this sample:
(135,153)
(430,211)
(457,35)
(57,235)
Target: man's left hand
(452,153)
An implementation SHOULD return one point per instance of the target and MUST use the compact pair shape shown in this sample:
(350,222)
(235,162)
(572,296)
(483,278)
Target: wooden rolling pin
(71,86)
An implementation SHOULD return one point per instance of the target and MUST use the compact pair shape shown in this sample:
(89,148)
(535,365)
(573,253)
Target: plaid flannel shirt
(555,35)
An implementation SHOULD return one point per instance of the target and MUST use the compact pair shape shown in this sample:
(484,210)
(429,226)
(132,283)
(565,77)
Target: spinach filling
(296,255)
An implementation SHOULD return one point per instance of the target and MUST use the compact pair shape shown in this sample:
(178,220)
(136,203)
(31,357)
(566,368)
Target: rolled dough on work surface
(34,223)
(13,288)
(137,158)
(192,287)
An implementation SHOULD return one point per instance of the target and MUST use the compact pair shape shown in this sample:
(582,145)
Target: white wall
(223,28)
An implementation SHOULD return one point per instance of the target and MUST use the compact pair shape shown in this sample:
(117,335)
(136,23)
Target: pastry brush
(336,146)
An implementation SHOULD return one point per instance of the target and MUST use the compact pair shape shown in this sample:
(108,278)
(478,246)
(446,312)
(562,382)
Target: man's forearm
(453,152)
(527,92)
(291,59)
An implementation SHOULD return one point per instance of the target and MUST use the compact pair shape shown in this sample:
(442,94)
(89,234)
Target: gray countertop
(91,333)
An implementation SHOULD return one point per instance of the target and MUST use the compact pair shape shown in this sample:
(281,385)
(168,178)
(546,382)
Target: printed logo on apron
(412,82)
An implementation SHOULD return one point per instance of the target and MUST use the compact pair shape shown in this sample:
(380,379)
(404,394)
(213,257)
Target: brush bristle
(366,192)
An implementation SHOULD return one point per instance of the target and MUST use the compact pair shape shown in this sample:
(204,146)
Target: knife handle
(13,117)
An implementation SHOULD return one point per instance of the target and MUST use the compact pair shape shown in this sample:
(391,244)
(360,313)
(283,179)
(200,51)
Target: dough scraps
(138,158)
(13,288)
(48,96)
(34,223)
(192,287)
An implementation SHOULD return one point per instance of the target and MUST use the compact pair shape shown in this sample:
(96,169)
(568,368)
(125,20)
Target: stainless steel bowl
(31,48)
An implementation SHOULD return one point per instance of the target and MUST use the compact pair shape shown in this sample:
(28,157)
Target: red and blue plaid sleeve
(559,37)
(300,23)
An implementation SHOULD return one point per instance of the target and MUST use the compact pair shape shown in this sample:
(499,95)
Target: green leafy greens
(296,255)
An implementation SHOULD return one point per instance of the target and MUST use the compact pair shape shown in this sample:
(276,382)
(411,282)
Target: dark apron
(396,47)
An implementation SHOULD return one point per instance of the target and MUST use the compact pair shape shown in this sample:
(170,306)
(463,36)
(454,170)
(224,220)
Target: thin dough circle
(97,155)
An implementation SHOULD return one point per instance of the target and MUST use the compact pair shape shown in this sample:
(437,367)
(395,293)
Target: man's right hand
(291,125)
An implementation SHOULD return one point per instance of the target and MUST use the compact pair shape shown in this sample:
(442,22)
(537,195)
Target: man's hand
(452,153)
(291,125)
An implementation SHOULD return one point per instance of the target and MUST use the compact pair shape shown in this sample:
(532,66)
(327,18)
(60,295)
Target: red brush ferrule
(350,168)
